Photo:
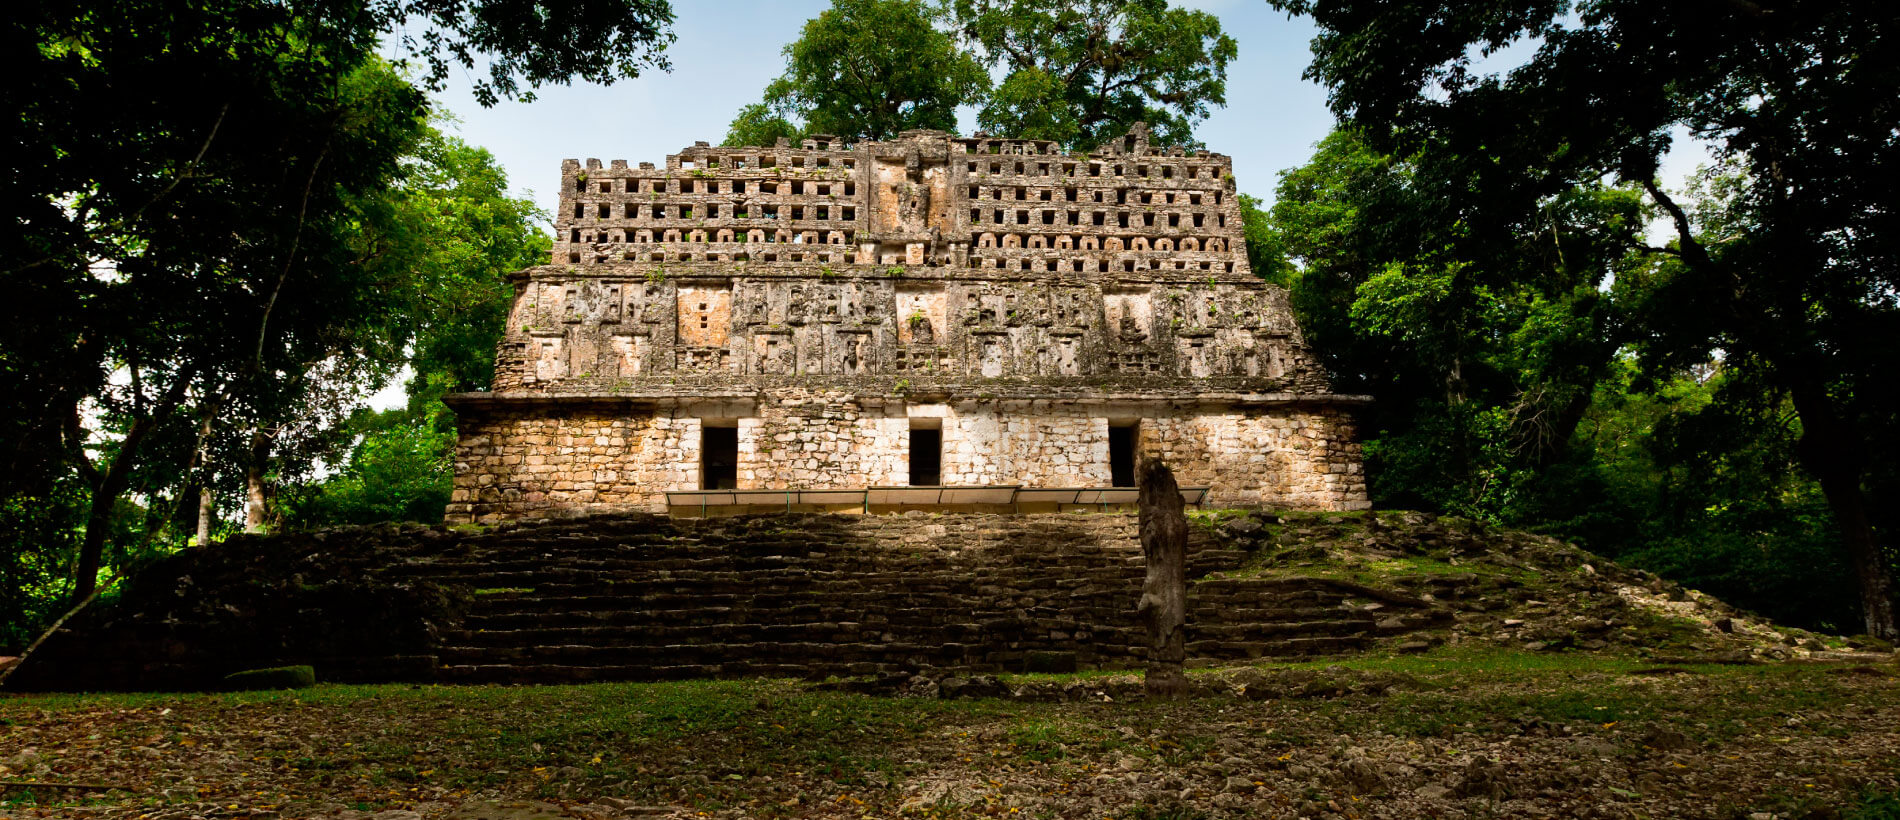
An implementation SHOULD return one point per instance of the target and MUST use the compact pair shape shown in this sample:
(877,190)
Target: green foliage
(461,234)
(276,677)
(1512,385)
(37,543)
(203,233)
(1264,251)
(455,235)
(1783,265)
(401,470)
(863,70)
(1483,349)
(1082,73)
(763,123)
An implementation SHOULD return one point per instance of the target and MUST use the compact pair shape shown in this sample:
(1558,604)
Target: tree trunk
(1163,604)
(205,505)
(1829,450)
(110,485)
(105,496)
(1832,457)
(254,503)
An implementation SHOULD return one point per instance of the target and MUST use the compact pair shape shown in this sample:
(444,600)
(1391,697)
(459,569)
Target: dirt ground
(1447,734)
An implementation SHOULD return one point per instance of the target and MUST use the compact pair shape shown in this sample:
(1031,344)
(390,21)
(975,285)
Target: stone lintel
(739,400)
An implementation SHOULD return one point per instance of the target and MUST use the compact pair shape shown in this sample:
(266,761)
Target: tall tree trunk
(1163,604)
(205,504)
(111,484)
(105,496)
(254,496)
(201,461)
(1832,456)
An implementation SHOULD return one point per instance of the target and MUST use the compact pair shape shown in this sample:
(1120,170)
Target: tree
(864,70)
(458,234)
(1265,253)
(1482,344)
(1081,73)
(1790,277)
(185,186)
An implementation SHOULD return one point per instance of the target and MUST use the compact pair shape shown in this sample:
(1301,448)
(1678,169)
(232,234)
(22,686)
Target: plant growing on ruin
(894,271)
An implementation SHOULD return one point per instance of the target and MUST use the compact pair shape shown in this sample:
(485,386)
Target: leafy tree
(1483,348)
(864,70)
(765,123)
(454,227)
(402,469)
(1790,274)
(1265,252)
(1082,72)
(186,188)
(1703,485)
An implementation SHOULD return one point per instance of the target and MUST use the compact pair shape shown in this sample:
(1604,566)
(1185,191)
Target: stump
(1163,606)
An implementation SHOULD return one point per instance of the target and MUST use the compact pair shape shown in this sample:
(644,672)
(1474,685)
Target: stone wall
(557,462)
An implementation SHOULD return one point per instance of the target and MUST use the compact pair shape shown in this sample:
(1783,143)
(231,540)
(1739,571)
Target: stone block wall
(1295,459)
(549,463)
(537,465)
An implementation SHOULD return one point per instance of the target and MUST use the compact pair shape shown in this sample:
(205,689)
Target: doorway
(1121,454)
(718,458)
(926,456)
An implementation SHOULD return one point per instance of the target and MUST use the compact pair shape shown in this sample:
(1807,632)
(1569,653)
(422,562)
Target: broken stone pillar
(1163,604)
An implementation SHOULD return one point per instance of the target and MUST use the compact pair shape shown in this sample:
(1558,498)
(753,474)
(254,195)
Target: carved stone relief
(1129,316)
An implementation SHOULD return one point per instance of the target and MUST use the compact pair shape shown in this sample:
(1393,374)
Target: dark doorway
(719,458)
(926,457)
(1121,455)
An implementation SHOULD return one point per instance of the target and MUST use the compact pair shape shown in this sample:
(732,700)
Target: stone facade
(827,301)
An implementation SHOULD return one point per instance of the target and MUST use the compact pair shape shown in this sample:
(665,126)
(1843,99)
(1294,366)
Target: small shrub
(276,677)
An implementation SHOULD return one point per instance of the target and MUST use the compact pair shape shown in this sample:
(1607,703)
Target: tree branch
(290,258)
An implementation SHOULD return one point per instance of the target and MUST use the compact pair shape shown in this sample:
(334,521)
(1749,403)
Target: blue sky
(729,49)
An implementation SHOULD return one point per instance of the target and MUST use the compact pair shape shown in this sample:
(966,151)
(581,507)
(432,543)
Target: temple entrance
(1121,455)
(718,458)
(926,456)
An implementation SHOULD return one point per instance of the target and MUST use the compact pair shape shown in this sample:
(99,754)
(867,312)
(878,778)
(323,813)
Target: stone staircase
(647,598)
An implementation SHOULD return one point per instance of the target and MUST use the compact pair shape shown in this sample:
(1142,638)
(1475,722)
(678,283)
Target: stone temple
(928,322)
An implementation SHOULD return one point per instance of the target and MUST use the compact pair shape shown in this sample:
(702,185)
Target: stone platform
(646,597)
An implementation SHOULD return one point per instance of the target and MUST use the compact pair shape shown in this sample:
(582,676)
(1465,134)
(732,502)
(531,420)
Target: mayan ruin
(932,311)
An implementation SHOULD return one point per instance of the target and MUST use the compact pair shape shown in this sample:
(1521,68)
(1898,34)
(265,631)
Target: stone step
(811,655)
(644,635)
(652,598)
(1252,631)
(555,673)
(1069,617)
